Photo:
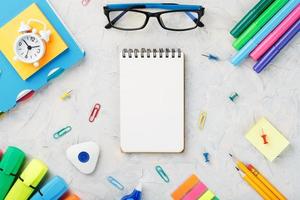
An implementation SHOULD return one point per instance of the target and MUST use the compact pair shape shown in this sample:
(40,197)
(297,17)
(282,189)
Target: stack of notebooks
(193,189)
(265,30)
(19,80)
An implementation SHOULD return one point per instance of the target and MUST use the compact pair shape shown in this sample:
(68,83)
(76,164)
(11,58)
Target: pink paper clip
(95,112)
(85,2)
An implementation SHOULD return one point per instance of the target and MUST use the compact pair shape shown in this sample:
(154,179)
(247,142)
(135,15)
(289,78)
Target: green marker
(10,164)
(250,17)
(258,23)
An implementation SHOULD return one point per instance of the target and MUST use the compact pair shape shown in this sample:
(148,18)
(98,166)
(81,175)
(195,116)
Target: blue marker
(246,50)
(54,189)
(135,195)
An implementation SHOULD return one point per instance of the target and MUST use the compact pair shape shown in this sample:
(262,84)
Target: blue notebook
(13,88)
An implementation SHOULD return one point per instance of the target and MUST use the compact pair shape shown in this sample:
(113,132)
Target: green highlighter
(250,17)
(258,23)
(10,164)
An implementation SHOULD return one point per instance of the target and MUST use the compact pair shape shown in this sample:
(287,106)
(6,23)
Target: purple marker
(278,46)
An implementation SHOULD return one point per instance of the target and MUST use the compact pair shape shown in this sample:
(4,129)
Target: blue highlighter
(135,195)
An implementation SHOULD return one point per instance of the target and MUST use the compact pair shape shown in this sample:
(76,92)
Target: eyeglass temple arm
(109,25)
(195,19)
(189,14)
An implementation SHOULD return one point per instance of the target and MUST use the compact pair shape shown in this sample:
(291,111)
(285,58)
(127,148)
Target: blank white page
(152,103)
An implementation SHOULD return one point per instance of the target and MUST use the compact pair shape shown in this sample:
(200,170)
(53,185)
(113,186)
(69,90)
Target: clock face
(29,48)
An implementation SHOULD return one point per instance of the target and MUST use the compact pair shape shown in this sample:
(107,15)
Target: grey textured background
(275,94)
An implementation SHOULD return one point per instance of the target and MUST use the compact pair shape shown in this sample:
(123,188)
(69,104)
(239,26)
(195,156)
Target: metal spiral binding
(136,53)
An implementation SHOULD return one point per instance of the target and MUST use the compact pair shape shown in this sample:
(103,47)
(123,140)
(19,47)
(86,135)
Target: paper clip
(115,183)
(202,119)
(62,132)
(95,112)
(85,2)
(162,173)
(66,95)
(233,96)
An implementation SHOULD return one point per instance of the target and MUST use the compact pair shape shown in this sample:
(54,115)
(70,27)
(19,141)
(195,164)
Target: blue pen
(53,190)
(246,50)
(279,45)
(135,195)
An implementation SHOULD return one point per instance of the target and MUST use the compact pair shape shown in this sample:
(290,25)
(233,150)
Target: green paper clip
(10,165)
(162,173)
(62,132)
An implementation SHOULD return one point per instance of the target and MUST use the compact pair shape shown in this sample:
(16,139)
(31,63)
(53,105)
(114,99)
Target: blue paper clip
(115,183)
(62,132)
(162,173)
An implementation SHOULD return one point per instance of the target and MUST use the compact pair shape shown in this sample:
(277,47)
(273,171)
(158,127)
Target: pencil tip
(237,169)
(230,154)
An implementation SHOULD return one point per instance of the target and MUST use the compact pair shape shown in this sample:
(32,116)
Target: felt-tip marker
(250,17)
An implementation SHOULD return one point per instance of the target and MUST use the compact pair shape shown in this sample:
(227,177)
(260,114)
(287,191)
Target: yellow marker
(28,181)
(254,179)
(202,119)
(66,95)
(254,186)
(266,182)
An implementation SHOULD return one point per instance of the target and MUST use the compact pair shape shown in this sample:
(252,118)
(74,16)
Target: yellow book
(9,33)
(275,141)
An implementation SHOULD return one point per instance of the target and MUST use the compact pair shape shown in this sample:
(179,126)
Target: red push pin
(264,137)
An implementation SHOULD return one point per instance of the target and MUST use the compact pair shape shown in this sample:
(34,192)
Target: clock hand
(27,53)
(35,46)
(25,43)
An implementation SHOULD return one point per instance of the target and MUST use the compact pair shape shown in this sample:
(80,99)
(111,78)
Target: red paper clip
(95,112)
(85,2)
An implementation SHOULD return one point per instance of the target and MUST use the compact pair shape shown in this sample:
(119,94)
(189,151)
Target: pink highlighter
(270,40)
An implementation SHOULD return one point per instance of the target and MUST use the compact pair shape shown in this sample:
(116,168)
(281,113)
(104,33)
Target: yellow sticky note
(208,195)
(9,34)
(276,142)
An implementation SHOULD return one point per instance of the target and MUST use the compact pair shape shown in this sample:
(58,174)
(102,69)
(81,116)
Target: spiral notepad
(152,100)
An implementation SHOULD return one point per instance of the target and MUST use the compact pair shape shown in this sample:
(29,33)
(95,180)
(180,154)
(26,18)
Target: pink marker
(272,38)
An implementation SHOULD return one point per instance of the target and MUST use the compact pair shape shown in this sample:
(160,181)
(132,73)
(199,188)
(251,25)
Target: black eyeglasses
(130,17)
